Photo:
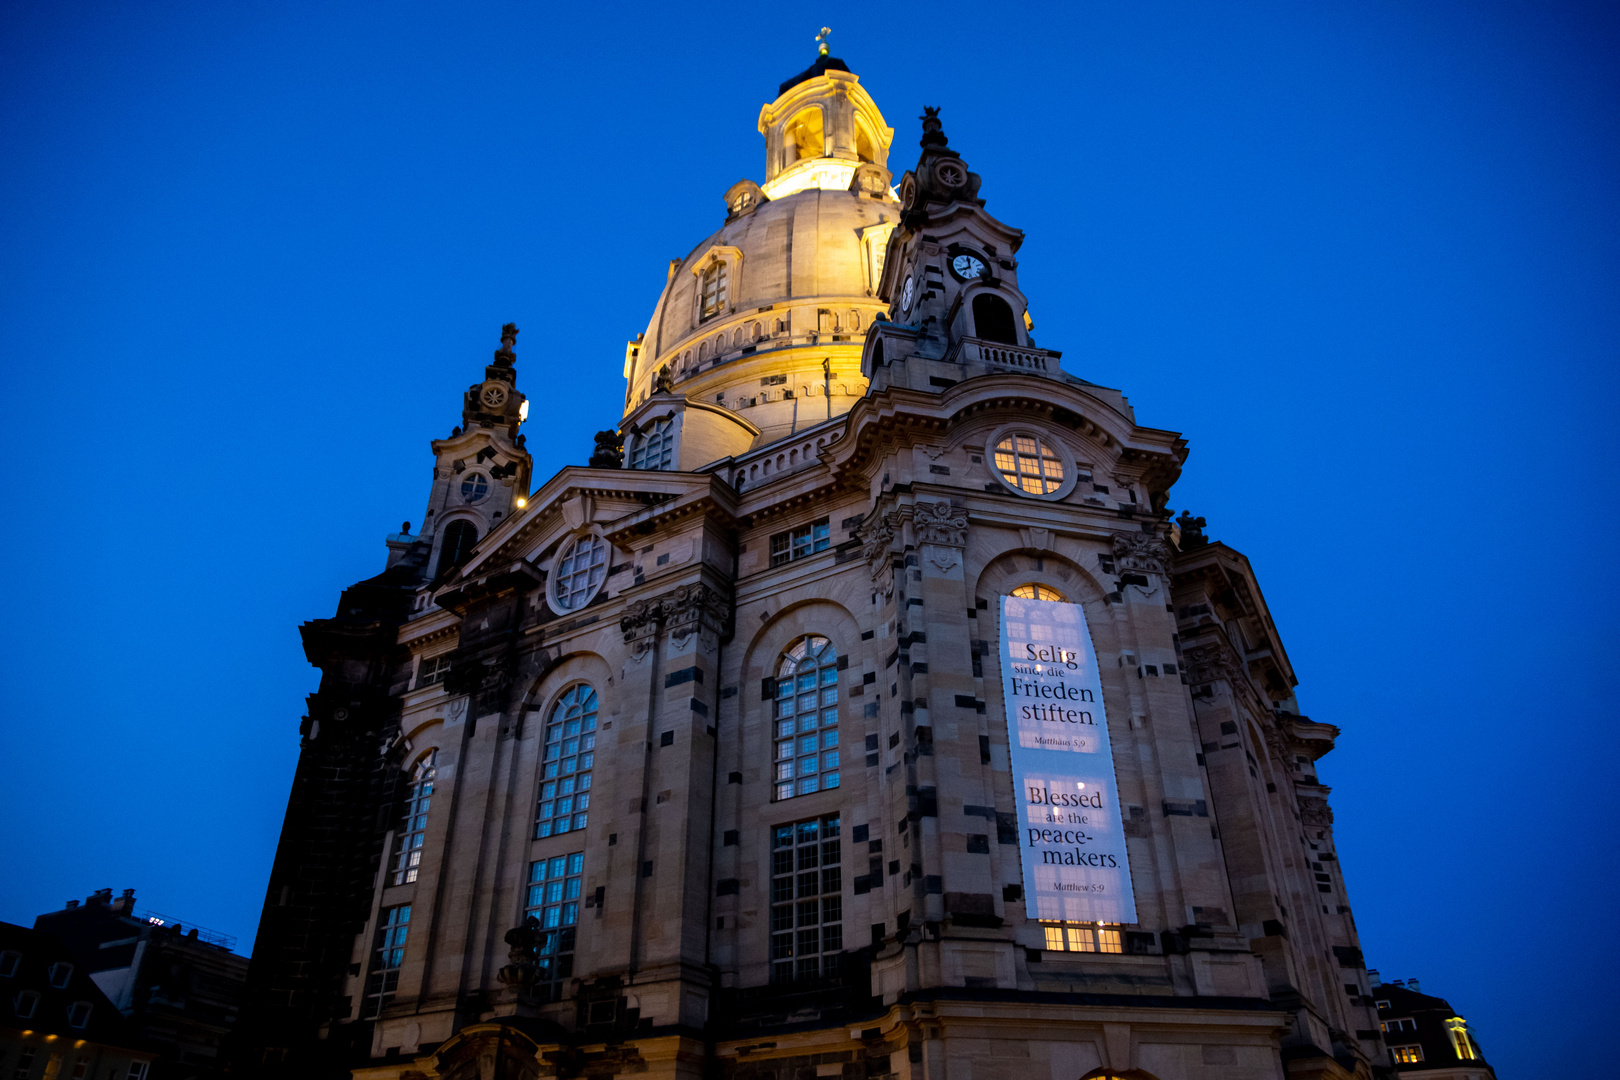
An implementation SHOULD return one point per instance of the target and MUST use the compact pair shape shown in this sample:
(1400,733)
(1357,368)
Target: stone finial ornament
(663,383)
(1192,531)
(609,452)
(505,356)
(933,131)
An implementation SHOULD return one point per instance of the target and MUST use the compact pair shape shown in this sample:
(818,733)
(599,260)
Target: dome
(767,315)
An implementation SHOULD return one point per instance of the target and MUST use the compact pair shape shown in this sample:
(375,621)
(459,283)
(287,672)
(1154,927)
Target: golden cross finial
(821,40)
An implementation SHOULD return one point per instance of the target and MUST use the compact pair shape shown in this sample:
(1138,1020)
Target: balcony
(998,357)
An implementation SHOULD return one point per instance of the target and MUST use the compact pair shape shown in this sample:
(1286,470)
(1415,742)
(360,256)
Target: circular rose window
(474,487)
(579,573)
(1028,463)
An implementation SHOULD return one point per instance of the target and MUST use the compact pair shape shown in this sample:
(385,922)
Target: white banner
(1071,830)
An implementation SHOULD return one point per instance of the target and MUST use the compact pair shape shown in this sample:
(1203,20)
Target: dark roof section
(822,65)
(39,952)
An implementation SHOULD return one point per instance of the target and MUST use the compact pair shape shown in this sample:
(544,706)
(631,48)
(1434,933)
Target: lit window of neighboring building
(1406,1055)
(1082,937)
(387,954)
(1037,592)
(570,751)
(1029,464)
(807,900)
(554,887)
(801,542)
(581,569)
(654,448)
(714,290)
(805,756)
(412,831)
(1461,1042)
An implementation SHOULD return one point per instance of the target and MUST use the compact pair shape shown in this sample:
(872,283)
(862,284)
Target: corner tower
(481,472)
(757,334)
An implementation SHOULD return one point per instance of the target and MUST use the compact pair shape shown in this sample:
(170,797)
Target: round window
(579,573)
(1030,464)
(474,487)
(1037,592)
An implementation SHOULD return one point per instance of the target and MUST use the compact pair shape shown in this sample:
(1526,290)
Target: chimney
(1398,983)
(124,904)
(100,896)
(71,904)
(1412,985)
(1372,978)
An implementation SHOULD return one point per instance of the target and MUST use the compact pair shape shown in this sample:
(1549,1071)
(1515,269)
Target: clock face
(905,294)
(967,267)
(494,395)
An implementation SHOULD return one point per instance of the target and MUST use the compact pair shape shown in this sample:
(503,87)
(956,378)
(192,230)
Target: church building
(748,750)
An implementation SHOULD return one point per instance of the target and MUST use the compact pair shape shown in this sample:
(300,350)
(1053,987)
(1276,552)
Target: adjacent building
(696,760)
(1424,1034)
(180,987)
(55,1023)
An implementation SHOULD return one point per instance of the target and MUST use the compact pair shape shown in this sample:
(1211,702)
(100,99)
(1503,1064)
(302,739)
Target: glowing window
(413,830)
(565,784)
(1461,1043)
(1406,1055)
(654,448)
(1082,937)
(554,887)
(806,717)
(714,290)
(387,954)
(474,487)
(807,900)
(1038,592)
(1029,464)
(580,572)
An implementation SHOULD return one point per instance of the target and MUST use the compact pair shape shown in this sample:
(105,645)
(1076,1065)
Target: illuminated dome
(766,317)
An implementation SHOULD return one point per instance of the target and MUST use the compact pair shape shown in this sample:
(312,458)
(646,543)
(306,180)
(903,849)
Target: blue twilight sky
(1363,255)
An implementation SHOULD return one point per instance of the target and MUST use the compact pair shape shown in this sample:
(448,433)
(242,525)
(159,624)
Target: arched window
(802,137)
(713,293)
(1027,463)
(412,830)
(655,447)
(580,571)
(565,782)
(1038,592)
(993,320)
(459,538)
(806,736)
(863,142)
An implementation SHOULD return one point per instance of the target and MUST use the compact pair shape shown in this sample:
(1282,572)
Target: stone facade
(841,446)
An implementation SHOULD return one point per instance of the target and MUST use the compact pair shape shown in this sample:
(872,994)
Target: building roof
(822,65)
(38,956)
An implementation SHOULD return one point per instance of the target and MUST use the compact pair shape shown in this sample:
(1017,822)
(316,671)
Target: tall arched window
(1038,592)
(802,137)
(993,320)
(714,291)
(412,830)
(655,447)
(459,538)
(565,781)
(581,569)
(806,734)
